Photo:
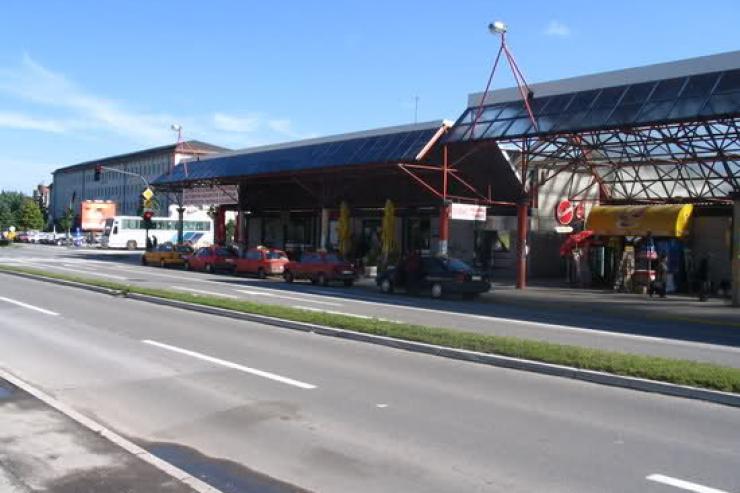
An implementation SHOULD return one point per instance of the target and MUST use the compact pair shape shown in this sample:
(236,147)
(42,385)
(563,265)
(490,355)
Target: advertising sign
(93,214)
(468,212)
(564,212)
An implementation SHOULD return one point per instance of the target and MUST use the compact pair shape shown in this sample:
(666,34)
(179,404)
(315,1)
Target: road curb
(129,446)
(633,383)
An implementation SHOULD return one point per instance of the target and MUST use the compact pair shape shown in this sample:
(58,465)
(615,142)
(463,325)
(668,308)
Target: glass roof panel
(730,81)
(668,100)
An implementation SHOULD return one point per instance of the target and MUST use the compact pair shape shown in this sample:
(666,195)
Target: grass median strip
(682,372)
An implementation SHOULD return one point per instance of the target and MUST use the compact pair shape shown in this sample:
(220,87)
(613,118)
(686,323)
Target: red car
(212,259)
(261,261)
(320,268)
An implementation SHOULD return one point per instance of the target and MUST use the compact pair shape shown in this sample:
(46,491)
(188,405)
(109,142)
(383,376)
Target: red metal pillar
(522,210)
(444,210)
(219,227)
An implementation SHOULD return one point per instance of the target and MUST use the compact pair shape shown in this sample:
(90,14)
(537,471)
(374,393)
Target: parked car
(320,268)
(212,259)
(260,261)
(167,254)
(437,275)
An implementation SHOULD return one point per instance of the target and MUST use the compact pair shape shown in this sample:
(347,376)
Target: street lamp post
(180,206)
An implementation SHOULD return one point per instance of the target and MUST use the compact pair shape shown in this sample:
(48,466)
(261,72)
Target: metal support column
(522,210)
(180,224)
(444,228)
(735,248)
(324,229)
(220,226)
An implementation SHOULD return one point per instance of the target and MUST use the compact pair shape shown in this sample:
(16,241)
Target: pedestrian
(703,277)
(660,284)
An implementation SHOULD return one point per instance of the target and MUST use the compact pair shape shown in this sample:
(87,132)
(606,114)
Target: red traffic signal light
(148,215)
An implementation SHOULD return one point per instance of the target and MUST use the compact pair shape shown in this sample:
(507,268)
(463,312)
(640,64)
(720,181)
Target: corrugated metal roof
(379,146)
(188,146)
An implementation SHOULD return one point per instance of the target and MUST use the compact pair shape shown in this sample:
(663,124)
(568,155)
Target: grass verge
(682,372)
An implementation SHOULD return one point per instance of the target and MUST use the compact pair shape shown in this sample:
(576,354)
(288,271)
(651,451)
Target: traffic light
(147,217)
(98,172)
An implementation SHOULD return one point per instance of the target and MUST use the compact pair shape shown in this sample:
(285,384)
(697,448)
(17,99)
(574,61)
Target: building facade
(77,183)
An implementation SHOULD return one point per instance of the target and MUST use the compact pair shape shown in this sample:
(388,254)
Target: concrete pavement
(620,322)
(41,449)
(215,393)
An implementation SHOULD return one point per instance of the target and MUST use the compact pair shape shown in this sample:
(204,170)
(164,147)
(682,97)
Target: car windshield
(184,249)
(456,265)
(275,255)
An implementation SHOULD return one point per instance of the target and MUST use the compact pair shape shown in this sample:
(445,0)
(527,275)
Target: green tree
(7,218)
(30,216)
(13,201)
(65,222)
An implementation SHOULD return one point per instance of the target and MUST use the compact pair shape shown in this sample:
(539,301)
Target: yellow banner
(638,220)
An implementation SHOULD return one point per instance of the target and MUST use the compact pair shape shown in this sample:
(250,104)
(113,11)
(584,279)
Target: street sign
(147,194)
(564,212)
(468,212)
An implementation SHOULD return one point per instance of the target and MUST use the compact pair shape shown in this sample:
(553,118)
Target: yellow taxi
(166,254)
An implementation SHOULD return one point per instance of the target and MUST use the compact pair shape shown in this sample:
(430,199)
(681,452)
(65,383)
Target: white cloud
(84,113)
(232,123)
(20,121)
(557,28)
(283,126)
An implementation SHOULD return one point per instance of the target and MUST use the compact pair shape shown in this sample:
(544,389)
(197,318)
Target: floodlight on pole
(497,27)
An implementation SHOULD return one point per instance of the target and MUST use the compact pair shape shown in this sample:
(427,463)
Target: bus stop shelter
(665,133)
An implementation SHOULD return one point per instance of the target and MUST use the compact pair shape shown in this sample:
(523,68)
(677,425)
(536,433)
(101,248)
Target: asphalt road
(224,398)
(592,328)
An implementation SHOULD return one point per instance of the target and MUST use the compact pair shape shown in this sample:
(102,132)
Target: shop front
(622,246)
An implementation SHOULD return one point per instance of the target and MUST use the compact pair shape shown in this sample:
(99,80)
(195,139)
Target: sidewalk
(41,449)
(678,307)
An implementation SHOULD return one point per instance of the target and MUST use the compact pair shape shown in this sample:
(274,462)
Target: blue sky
(86,79)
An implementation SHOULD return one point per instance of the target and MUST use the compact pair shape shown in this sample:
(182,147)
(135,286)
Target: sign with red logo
(564,212)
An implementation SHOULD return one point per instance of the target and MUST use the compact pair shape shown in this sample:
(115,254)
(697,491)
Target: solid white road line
(334,312)
(200,291)
(76,270)
(229,364)
(684,485)
(294,298)
(26,305)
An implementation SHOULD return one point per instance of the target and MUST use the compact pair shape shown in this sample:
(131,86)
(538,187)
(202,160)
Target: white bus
(128,232)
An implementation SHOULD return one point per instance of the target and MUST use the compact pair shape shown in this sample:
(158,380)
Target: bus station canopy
(401,163)
(660,133)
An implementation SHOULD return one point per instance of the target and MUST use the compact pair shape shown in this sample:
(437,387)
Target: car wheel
(261,273)
(131,245)
(162,263)
(188,266)
(386,286)
(348,283)
(436,290)
(210,269)
(322,280)
(143,260)
(288,276)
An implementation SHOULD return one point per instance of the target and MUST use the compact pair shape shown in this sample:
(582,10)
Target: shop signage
(468,212)
(564,212)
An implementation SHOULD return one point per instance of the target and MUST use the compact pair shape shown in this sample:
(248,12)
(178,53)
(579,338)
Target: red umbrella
(574,240)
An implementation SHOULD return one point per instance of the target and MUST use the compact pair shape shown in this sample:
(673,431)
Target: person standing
(703,276)
(660,285)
